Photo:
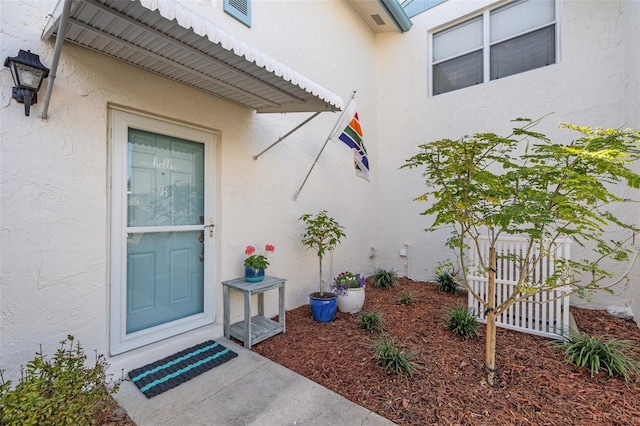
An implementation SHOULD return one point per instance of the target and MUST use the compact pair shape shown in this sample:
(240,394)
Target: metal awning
(168,39)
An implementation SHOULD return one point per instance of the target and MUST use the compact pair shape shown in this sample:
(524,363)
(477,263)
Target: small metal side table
(253,329)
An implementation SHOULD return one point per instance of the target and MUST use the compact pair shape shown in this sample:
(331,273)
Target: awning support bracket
(62,27)
(280,139)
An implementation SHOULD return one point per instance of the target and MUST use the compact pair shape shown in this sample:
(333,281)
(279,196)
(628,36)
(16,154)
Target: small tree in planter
(322,233)
(526,185)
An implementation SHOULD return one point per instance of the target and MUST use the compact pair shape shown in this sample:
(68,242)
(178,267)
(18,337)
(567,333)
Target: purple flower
(346,280)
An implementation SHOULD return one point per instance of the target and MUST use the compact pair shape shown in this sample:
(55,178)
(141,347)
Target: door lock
(210,226)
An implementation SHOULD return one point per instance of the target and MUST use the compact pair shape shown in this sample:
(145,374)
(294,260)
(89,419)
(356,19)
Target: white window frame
(486,41)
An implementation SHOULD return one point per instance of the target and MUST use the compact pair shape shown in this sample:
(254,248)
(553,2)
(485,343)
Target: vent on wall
(239,9)
(377,19)
(241,6)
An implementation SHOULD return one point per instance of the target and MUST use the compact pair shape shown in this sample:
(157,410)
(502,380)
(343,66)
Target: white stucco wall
(594,83)
(631,37)
(54,175)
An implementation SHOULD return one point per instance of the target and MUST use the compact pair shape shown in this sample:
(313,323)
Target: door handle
(210,226)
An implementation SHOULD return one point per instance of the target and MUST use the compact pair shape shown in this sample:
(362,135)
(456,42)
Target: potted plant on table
(255,264)
(322,233)
(350,290)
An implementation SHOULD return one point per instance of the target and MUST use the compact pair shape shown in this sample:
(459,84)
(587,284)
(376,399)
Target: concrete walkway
(247,390)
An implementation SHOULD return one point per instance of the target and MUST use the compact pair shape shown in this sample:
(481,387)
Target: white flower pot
(353,301)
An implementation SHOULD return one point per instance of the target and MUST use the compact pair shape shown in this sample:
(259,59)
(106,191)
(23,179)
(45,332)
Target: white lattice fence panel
(545,313)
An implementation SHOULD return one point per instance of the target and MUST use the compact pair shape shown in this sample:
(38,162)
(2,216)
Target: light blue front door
(165,254)
(162,229)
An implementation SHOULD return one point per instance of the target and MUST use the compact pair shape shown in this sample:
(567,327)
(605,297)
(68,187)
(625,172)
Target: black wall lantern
(27,72)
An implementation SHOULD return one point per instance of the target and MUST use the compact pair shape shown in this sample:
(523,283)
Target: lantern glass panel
(28,76)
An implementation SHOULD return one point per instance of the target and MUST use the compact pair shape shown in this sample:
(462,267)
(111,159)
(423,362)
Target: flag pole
(255,157)
(295,196)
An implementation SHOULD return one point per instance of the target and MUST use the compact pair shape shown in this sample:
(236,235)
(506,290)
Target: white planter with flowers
(352,302)
(350,289)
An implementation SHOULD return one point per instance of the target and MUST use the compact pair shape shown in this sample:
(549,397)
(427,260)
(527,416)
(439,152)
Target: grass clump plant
(385,278)
(390,357)
(57,391)
(406,298)
(370,320)
(447,278)
(598,353)
(461,321)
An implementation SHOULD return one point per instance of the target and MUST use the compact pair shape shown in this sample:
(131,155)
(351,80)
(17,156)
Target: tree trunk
(490,348)
(320,260)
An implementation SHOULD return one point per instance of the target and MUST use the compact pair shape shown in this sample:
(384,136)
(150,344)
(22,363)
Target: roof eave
(397,14)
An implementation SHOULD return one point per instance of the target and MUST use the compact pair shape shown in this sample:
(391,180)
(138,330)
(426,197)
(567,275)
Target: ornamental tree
(322,233)
(525,184)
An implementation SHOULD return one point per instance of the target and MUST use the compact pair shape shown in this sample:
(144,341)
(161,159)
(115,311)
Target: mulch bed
(533,385)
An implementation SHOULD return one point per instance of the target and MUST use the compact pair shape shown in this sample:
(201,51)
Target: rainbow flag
(352,137)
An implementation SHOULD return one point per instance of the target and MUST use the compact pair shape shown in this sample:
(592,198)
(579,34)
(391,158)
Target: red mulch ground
(533,384)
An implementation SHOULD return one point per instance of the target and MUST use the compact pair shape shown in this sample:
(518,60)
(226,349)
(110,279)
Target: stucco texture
(594,83)
(55,174)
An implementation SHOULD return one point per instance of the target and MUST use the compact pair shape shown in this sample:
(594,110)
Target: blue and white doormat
(169,372)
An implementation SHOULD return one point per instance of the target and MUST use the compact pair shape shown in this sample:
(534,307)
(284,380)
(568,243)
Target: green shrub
(370,320)
(385,278)
(447,277)
(596,353)
(406,298)
(392,358)
(58,391)
(461,321)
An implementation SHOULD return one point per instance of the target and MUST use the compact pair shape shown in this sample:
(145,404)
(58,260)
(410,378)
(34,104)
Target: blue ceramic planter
(253,275)
(323,309)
